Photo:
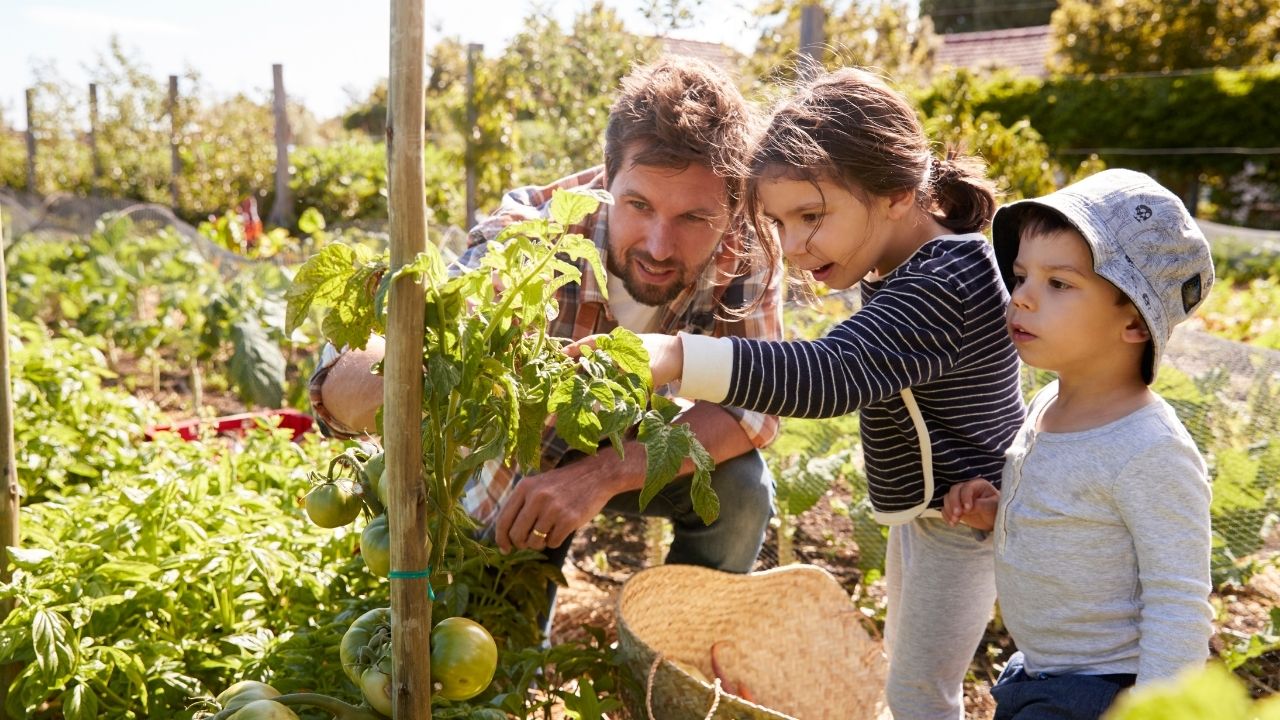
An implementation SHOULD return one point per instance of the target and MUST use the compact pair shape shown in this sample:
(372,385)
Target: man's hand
(973,502)
(546,508)
(666,354)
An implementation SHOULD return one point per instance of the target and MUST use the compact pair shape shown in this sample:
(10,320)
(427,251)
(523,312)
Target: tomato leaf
(571,206)
(576,419)
(257,366)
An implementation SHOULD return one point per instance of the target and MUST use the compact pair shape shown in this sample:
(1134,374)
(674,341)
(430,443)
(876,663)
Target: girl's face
(825,229)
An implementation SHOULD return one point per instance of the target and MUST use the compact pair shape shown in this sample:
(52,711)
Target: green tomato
(375,685)
(382,489)
(374,467)
(361,634)
(264,710)
(245,692)
(463,658)
(333,504)
(375,546)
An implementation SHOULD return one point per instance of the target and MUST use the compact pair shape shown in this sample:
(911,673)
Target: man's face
(663,228)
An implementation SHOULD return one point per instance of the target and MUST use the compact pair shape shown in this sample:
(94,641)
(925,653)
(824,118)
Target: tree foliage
(1128,36)
(883,35)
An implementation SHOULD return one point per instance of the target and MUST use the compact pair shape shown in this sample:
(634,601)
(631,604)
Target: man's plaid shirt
(584,311)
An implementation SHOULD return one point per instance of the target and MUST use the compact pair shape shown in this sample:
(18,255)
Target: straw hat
(789,639)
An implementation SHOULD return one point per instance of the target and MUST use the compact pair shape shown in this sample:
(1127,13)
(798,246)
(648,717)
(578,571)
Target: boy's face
(1062,316)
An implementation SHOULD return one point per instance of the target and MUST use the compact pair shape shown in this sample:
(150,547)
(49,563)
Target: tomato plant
(463,658)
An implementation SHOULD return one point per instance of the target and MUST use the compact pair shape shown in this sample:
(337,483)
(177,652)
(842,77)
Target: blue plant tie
(415,575)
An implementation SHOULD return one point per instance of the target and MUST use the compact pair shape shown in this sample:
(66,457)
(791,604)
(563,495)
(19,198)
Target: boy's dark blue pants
(1020,696)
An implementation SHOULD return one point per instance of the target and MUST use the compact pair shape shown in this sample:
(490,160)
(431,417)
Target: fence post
(175,167)
(473,53)
(31,140)
(282,209)
(811,39)
(402,389)
(10,492)
(93,136)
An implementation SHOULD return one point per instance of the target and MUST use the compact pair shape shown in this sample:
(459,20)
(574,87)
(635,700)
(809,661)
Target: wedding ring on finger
(538,534)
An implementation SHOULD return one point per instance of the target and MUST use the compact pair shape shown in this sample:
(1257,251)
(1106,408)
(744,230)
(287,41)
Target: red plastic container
(236,425)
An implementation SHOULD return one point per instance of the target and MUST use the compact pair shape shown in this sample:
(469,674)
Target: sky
(331,50)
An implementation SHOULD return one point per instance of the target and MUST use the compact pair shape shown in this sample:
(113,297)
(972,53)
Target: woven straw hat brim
(790,635)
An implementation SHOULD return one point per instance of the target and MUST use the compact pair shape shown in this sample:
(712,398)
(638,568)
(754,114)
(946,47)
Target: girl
(844,180)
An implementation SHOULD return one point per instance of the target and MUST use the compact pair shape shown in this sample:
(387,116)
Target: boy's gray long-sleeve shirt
(1102,544)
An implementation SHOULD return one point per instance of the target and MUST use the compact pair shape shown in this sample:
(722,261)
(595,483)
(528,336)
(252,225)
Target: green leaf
(257,366)
(322,279)
(665,450)
(29,558)
(705,501)
(311,221)
(1211,692)
(576,419)
(126,571)
(627,352)
(571,206)
(54,645)
(80,703)
(578,247)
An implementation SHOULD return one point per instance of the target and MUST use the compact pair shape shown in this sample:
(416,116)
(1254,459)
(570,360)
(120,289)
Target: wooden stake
(10,492)
(282,208)
(31,141)
(93,136)
(175,165)
(474,51)
(402,389)
(812,39)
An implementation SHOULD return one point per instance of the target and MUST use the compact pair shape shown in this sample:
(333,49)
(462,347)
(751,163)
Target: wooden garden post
(402,387)
(31,141)
(282,208)
(10,494)
(93,137)
(175,163)
(812,39)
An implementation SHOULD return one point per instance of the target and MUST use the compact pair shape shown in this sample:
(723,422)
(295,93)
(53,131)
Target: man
(678,258)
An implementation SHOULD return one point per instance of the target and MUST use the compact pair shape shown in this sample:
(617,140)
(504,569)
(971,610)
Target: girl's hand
(973,502)
(666,355)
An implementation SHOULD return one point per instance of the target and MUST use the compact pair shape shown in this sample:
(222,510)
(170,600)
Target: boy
(1102,524)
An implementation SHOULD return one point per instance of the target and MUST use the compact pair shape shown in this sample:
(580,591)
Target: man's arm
(563,500)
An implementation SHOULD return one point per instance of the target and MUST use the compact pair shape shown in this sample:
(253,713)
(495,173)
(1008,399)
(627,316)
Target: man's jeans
(1020,696)
(731,543)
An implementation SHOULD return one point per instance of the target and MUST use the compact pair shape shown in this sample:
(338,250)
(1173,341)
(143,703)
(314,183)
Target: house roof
(717,54)
(1025,49)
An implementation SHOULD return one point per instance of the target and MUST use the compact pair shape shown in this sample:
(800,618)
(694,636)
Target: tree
(881,35)
(1125,36)
(953,16)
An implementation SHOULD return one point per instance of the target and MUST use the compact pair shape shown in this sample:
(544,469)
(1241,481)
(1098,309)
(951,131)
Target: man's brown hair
(677,112)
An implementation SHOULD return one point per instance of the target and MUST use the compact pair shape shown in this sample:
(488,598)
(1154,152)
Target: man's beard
(646,293)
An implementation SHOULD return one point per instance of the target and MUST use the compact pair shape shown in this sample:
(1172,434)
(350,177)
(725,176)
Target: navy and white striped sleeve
(910,332)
